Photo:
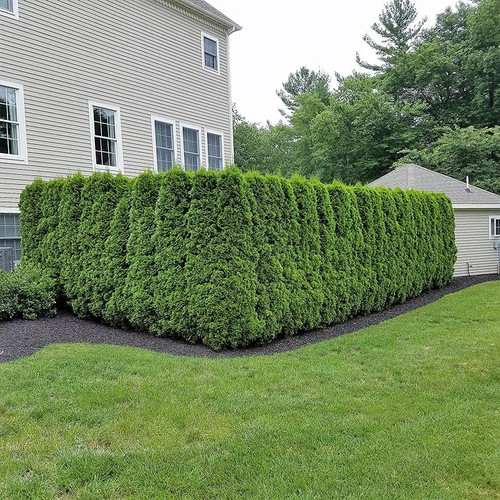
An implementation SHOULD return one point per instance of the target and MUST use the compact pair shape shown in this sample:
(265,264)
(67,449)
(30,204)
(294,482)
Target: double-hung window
(9,8)
(106,138)
(210,53)
(164,144)
(191,148)
(12,126)
(495,227)
(215,151)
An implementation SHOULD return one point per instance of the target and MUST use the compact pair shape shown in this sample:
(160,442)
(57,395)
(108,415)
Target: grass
(406,409)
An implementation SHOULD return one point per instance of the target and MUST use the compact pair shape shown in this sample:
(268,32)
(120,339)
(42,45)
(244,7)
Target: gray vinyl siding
(142,56)
(473,242)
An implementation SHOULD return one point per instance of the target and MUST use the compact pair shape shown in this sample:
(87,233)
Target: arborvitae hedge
(31,214)
(170,242)
(138,299)
(231,259)
(70,212)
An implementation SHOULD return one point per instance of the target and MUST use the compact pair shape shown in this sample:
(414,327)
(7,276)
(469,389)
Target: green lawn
(408,409)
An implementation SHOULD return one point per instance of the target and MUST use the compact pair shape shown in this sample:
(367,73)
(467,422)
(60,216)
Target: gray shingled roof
(205,7)
(422,179)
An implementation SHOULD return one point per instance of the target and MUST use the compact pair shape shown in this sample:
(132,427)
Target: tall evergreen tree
(304,81)
(398,27)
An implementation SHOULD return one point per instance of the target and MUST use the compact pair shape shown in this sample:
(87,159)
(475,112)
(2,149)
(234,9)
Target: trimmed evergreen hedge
(231,259)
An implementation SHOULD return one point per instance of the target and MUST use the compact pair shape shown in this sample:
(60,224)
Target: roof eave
(233,27)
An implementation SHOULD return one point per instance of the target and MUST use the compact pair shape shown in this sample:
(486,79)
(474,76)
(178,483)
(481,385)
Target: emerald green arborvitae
(328,257)
(404,260)
(308,255)
(445,241)
(380,258)
(348,250)
(70,213)
(367,251)
(292,276)
(391,244)
(30,217)
(100,196)
(114,263)
(272,295)
(221,264)
(139,283)
(233,260)
(171,249)
(48,231)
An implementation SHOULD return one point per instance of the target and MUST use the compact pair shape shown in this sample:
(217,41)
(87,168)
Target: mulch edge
(21,338)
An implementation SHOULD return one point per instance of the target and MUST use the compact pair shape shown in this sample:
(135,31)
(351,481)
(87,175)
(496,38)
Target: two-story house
(121,85)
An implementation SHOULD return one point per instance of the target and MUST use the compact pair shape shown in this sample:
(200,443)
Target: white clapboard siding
(144,56)
(473,242)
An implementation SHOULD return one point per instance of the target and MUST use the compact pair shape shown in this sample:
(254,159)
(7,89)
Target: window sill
(103,169)
(10,15)
(211,70)
(16,160)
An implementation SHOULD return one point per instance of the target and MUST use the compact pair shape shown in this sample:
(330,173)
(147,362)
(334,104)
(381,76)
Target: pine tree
(398,29)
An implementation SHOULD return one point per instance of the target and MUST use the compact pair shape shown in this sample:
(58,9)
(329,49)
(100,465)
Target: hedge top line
(235,171)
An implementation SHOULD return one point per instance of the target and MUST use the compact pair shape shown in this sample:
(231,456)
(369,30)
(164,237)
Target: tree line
(431,97)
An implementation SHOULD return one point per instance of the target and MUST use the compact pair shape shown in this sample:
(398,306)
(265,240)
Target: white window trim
(119,142)
(216,40)
(493,217)
(14,14)
(215,132)
(170,121)
(198,129)
(22,157)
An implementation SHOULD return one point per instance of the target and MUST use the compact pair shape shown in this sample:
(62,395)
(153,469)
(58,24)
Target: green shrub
(26,293)
(221,262)
(229,259)
(48,230)
(170,242)
(328,257)
(31,214)
(272,305)
(348,248)
(138,290)
(70,213)
(100,196)
(114,264)
(308,256)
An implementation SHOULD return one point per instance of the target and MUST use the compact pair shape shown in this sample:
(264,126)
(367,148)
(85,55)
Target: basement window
(494,227)
(10,234)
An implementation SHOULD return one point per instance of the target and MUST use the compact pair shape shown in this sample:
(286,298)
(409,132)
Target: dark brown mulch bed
(22,338)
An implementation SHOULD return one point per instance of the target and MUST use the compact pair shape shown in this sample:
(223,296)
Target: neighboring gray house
(477,216)
(120,85)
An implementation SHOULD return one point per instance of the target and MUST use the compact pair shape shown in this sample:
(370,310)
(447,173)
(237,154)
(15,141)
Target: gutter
(486,206)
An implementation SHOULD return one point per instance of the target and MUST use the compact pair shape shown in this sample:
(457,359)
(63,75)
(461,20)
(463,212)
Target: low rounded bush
(26,293)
